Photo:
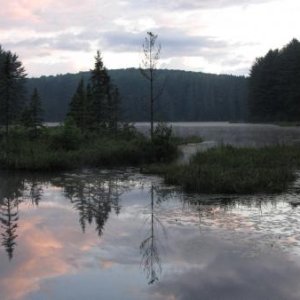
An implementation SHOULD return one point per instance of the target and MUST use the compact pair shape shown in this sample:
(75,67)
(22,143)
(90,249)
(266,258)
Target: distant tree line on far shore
(271,93)
(186,96)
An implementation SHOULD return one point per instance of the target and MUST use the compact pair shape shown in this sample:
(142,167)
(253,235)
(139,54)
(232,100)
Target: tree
(105,97)
(78,106)
(151,51)
(12,80)
(274,85)
(33,113)
(113,109)
(99,86)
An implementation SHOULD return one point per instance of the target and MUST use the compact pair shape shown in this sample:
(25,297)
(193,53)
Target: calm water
(238,134)
(121,235)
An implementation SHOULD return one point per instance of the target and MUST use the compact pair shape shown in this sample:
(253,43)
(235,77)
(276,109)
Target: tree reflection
(15,189)
(11,189)
(9,218)
(149,247)
(94,198)
(35,189)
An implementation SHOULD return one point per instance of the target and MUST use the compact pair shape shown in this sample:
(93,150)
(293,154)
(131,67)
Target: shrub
(163,147)
(67,137)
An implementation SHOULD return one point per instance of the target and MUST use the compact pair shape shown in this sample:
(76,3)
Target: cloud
(175,43)
(212,30)
(66,41)
(201,4)
(229,276)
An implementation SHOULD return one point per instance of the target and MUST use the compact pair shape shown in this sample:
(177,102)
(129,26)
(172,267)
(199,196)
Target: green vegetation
(12,84)
(32,115)
(275,85)
(192,139)
(186,96)
(235,170)
(90,136)
(96,106)
(66,147)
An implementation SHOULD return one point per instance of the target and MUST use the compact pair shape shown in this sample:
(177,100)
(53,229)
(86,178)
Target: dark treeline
(185,96)
(274,93)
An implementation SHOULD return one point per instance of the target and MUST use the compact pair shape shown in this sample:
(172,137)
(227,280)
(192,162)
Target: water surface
(121,235)
(237,134)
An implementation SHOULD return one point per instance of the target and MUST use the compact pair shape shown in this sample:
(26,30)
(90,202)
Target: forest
(274,85)
(184,96)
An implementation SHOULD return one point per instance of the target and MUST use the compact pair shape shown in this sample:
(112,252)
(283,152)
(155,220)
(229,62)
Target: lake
(118,234)
(238,134)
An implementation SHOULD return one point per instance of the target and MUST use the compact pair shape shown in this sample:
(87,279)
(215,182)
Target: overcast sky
(215,36)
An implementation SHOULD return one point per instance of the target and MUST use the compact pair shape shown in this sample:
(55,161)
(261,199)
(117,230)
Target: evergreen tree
(99,86)
(113,109)
(274,93)
(78,107)
(105,97)
(12,80)
(89,117)
(33,113)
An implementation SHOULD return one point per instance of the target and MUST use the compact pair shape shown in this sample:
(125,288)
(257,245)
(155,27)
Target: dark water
(121,235)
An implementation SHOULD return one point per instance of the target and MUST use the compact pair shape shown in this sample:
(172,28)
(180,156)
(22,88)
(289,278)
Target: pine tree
(33,114)
(12,80)
(274,92)
(105,97)
(78,106)
(99,86)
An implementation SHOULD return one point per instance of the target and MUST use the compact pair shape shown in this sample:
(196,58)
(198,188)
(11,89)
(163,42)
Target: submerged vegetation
(237,170)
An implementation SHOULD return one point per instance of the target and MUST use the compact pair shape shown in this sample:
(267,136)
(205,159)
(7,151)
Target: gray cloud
(230,276)
(174,42)
(200,4)
(114,26)
(70,42)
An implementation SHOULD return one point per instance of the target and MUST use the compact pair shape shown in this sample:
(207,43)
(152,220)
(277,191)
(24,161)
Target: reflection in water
(57,261)
(9,218)
(149,247)
(15,189)
(11,189)
(35,189)
(93,198)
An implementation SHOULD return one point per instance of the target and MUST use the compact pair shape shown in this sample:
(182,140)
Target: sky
(213,36)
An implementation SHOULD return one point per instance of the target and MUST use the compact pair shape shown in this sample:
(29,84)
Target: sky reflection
(140,240)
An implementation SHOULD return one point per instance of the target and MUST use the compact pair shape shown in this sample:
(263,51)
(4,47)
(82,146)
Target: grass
(237,170)
(66,148)
(186,140)
(288,124)
(219,170)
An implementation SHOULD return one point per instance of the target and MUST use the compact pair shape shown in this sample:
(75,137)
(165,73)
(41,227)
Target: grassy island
(237,170)
(66,147)
(223,169)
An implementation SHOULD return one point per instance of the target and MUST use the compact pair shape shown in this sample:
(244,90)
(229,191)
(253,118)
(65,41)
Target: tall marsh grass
(237,170)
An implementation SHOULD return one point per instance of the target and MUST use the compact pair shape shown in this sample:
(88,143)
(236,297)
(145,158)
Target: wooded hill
(183,96)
